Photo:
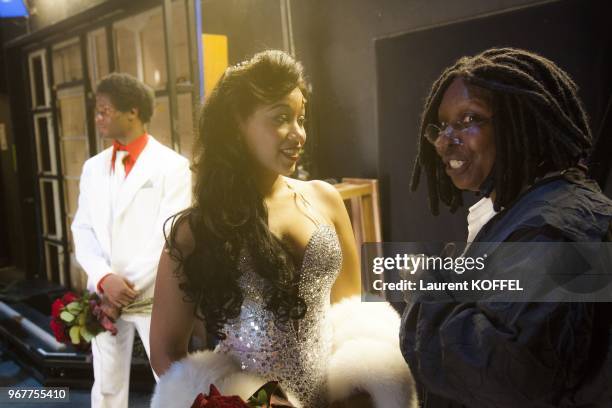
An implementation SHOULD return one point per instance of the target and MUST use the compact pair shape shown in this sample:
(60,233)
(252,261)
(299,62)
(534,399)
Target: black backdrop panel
(572,33)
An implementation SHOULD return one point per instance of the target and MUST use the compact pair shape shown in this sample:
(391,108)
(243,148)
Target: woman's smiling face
(469,162)
(274,133)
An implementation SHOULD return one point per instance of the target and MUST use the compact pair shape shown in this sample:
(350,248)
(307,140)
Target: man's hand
(109,309)
(119,291)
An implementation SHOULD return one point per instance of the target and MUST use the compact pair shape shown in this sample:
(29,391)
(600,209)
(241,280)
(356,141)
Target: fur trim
(351,319)
(374,367)
(366,355)
(185,379)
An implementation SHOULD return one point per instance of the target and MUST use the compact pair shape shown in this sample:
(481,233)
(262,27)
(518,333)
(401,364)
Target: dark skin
(123,127)
(112,123)
(467,164)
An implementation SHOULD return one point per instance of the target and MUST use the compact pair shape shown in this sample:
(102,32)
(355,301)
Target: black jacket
(481,355)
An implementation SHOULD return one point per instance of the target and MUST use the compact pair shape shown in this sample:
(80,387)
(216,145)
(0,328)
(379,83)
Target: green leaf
(143,306)
(260,399)
(67,316)
(74,335)
(269,394)
(262,396)
(94,329)
(86,334)
(74,307)
(82,319)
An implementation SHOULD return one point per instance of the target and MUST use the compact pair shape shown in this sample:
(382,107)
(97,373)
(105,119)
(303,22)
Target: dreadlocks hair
(539,124)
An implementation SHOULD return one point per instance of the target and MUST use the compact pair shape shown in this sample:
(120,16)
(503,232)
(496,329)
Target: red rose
(226,402)
(56,308)
(69,297)
(58,331)
(215,400)
(200,401)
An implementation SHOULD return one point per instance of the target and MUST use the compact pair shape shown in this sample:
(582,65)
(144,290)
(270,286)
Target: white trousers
(112,358)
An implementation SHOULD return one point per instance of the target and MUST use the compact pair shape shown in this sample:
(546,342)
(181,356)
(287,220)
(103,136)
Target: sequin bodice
(294,354)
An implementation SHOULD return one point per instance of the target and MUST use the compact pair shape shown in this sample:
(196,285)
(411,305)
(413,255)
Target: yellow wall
(215,59)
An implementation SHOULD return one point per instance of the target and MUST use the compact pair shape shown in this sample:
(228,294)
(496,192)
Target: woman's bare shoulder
(324,194)
(181,236)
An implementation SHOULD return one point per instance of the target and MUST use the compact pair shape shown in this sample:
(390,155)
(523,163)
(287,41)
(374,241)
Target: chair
(362,203)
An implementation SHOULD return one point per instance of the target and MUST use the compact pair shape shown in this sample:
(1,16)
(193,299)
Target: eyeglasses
(468,122)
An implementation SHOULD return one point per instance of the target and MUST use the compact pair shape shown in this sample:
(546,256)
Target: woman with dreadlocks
(508,124)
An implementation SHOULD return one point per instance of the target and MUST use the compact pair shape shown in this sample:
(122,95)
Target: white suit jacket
(129,244)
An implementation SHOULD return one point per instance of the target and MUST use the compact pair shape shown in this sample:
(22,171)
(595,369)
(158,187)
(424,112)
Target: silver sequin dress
(295,355)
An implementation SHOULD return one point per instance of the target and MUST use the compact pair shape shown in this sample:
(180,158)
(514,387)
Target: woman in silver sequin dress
(259,255)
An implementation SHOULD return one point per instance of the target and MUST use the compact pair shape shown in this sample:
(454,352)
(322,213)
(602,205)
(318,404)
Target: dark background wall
(12,250)
(251,26)
(8,202)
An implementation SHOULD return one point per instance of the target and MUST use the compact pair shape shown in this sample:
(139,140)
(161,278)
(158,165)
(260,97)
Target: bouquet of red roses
(76,320)
(269,395)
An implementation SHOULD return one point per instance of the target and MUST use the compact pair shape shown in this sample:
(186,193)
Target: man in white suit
(127,192)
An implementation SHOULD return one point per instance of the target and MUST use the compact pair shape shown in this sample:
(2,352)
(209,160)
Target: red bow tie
(119,146)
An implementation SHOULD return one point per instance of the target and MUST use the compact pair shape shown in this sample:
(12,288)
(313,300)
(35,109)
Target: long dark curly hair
(228,217)
(539,123)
